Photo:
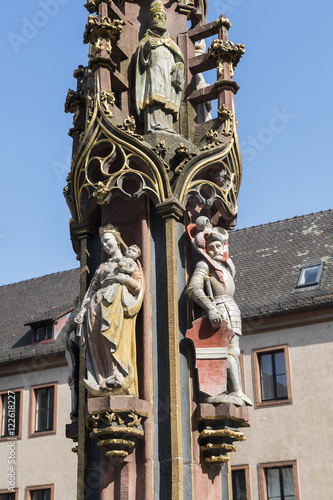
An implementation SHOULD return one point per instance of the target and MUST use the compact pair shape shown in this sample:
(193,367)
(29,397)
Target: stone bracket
(219,427)
(117,422)
(72,432)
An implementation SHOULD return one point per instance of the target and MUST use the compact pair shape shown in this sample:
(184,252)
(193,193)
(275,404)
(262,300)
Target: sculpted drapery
(108,314)
(159,74)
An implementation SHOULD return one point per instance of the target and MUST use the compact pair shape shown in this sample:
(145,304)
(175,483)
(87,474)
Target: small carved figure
(108,315)
(212,287)
(159,75)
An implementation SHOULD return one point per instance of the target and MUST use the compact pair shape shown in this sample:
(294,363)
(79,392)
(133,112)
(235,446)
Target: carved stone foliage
(184,156)
(226,116)
(129,126)
(101,192)
(212,140)
(107,100)
(74,103)
(118,431)
(226,51)
(98,30)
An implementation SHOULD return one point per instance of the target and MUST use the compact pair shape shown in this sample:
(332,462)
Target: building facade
(36,460)
(285,290)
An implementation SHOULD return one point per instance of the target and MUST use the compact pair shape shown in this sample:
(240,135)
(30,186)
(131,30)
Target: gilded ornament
(129,126)
(99,45)
(217,460)
(161,149)
(92,6)
(102,29)
(226,51)
(101,193)
(212,140)
(226,116)
(136,420)
(107,99)
(184,156)
(223,22)
(93,421)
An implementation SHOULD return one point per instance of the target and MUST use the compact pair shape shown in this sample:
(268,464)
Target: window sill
(10,438)
(269,404)
(42,433)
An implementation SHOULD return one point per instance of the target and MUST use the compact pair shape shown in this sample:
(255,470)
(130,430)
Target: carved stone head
(157,16)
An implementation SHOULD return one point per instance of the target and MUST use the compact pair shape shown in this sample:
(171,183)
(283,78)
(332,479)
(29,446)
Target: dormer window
(43,333)
(310,275)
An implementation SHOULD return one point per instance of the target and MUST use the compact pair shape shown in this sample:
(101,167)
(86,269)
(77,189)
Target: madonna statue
(108,317)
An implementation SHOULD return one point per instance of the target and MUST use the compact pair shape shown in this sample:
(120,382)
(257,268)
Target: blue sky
(284,108)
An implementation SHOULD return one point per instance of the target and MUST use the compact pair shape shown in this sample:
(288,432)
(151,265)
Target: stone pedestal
(117,424)
(219,427)
(211,355)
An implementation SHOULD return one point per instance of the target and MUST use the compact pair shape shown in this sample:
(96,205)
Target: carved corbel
(117,430)
(219,428)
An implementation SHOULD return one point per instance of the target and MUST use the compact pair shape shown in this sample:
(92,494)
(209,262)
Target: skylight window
(310,275)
